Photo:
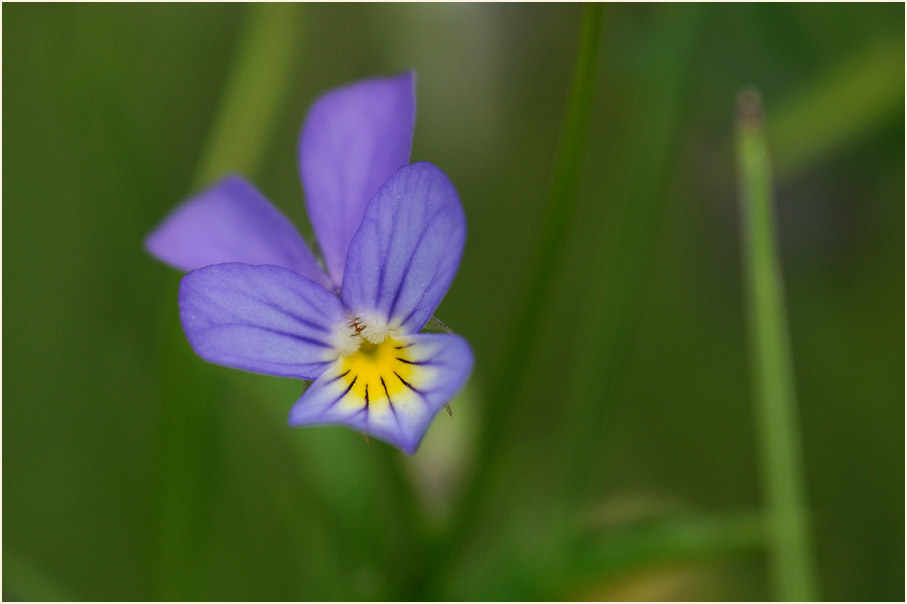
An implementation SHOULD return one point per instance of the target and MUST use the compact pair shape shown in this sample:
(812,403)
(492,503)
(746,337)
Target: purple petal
(265,319)
(405,255)
(231,222)
(402,400)
(354,138)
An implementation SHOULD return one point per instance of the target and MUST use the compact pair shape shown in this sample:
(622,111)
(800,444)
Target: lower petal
(390,391)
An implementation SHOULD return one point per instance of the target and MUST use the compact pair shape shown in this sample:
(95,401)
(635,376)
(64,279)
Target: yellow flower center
(378,371)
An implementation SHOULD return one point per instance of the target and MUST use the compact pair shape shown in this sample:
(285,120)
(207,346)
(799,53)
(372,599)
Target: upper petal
(407,250)
(265,319)
(394,400)
(231,222)
(354,138)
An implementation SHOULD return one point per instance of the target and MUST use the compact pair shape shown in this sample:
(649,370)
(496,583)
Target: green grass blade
(857,96)
(607,555)
(593,551)
(611,308)
(771,364)
(25,582)
(255,92)
(523,332)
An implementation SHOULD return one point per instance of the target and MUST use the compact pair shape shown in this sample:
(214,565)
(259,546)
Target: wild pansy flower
(392,236)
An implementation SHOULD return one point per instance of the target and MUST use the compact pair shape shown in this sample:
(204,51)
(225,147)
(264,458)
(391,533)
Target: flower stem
(771,363)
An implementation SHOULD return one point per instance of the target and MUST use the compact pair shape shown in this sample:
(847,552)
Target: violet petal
(407,250)
(265,319)
(231,222)
(398,409)
(354,138)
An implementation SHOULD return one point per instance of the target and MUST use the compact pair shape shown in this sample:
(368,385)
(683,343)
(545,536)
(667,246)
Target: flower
(392,236)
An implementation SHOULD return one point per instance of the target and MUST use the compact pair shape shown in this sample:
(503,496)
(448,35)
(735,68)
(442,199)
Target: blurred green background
(628,467)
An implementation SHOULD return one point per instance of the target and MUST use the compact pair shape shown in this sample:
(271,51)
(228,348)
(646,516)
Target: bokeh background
(629,467)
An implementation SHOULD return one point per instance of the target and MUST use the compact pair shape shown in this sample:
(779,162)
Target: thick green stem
(771,364)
